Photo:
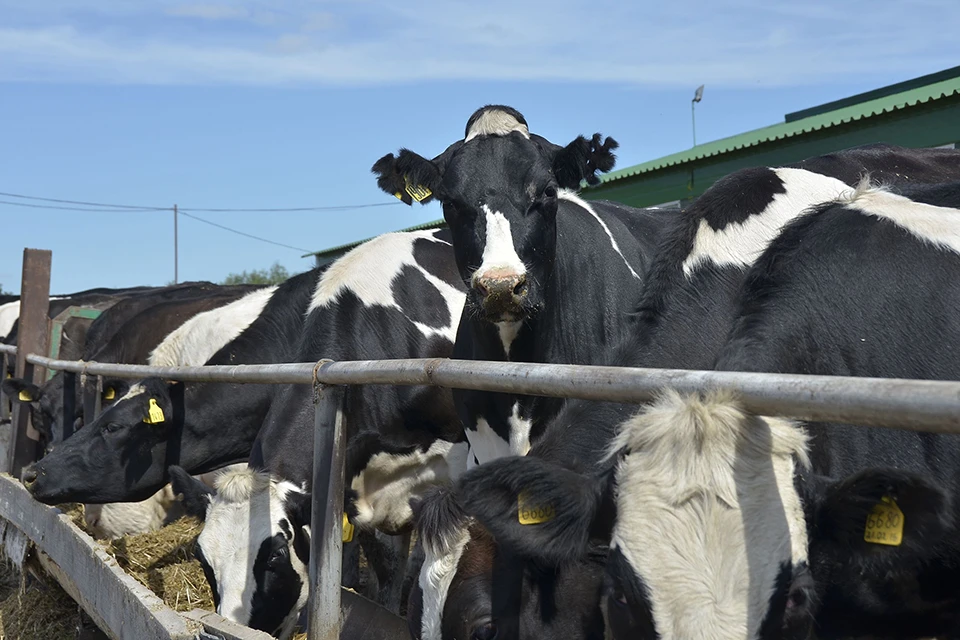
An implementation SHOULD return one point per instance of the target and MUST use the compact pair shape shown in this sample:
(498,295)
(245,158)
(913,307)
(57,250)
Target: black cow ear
(299,508)
(21,391)
(582,159)
(192,493)
(534,508)
(883,509)
(410,176)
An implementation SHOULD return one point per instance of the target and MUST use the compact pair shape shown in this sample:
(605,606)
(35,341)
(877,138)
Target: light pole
(697,97)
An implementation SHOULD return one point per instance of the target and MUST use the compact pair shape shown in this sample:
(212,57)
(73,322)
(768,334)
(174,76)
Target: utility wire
(50,206)
(89,204)
(101,207)
(242,233)
(131,207)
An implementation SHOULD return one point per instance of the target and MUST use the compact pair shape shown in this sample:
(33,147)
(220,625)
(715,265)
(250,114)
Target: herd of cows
(684,519)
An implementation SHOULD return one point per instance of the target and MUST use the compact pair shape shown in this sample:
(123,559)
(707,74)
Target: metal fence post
(4,401)
(32,337)
(69,403)
(92,395)
(329,443)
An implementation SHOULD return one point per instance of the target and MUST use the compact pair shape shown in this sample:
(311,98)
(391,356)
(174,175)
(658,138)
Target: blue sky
(288,103)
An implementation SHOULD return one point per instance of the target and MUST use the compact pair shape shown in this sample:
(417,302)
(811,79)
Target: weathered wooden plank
(117,603)
(224,629)
(31,338)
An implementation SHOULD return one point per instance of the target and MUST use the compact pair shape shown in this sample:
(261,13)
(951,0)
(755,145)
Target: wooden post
(34,329)
(329,445)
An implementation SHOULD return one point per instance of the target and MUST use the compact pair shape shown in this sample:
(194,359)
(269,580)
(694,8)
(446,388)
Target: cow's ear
(532,507)
(883,510)
(409,176)
(192,493)
(21,391)
(299,508)
(439,520)
(580,160)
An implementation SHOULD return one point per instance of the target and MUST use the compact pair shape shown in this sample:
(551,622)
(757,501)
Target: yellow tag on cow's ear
(109,393)
(154,413)
(25,396)
(884,523)
(347,529)
(530,512)
(417,192)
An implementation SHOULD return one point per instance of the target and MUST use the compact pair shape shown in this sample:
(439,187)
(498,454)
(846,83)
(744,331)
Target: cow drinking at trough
(550,277)
(396,296)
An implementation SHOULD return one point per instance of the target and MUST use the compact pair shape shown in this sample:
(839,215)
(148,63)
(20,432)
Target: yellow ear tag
(884,523)
(417,192)
(109,393)
(347,529)
(155,413)
(25,396)
(528,512)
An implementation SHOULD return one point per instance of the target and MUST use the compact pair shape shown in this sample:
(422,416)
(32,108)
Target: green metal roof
(854,112)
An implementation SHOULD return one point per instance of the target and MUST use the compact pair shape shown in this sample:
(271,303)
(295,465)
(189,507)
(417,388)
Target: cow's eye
(486,631)
(279,555)
(618,598)
(113,427)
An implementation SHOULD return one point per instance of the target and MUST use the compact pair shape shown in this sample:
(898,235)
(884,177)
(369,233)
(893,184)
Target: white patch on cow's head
(388,482)
(939,226)
(741,243)
(368,271)
(487,445)
(199,338)
(117,519)
(495,122)
(570,196)
(708,512)
(499,253)
(246,510)
(132,392)
(440,561)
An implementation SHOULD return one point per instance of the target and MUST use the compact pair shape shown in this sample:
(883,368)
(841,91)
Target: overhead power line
(132,207)
(89,204)
(242,233)
(51,206)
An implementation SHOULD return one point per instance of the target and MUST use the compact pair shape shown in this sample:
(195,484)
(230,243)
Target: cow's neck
(220,425)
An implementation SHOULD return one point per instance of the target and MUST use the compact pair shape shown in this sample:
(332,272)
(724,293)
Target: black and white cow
(735,526)
(131,343)
(396,296)
(551,277)
(204,426)
(687,312)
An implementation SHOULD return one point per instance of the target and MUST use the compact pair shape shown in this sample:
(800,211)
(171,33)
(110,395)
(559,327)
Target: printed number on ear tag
(25,396)
(529,512)
(155,413)
(417,192)
(109,393)
(347,529)
(884,523)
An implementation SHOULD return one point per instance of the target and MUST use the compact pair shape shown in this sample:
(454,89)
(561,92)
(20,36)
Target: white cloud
(729,43)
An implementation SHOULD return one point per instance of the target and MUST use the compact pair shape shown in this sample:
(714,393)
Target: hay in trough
(31,609)
(163,562)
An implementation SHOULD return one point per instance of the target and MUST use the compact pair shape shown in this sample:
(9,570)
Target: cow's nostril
(521,287)
(29,475)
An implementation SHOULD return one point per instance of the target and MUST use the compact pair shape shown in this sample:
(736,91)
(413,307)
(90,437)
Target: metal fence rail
(920,405)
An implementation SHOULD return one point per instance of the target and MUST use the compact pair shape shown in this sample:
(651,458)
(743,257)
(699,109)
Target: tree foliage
(276,274)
